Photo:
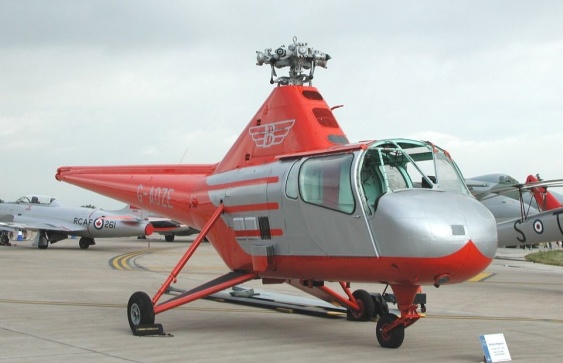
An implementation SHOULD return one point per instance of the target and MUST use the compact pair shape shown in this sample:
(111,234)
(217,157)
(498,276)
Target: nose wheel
(393,338)
(390,329)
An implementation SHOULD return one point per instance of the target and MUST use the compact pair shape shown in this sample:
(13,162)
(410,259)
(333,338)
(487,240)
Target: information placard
(495,348)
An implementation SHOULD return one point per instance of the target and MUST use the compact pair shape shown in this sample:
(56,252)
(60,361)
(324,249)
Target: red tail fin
(293,119)
(545,200)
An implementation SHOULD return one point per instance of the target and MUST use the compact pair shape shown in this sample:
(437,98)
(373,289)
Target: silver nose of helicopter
(426,224)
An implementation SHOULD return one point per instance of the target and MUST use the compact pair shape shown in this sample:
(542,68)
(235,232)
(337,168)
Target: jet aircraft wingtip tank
(294,202)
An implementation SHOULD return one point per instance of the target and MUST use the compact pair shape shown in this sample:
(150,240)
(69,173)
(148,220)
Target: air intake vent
(312,95)
(264,225)
(325,117)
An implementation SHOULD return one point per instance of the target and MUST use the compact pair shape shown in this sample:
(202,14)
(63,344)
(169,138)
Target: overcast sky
(154,82)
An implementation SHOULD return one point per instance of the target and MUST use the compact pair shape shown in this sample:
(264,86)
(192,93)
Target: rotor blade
(527,186)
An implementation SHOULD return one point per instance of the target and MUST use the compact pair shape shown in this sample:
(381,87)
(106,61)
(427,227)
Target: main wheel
(140,310)
(169,237)
(85,242)
(392,339)
(367,307)
(43,243)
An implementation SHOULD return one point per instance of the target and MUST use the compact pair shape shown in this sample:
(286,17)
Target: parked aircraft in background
(294,202)
(55,222)
(506,205)
(538,211)
(544,199)
(163,226)
(507,198)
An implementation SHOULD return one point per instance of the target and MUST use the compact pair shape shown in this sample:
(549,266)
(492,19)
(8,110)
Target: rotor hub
(299,57)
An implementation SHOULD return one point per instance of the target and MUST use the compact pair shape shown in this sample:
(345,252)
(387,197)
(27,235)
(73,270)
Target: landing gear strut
(141,309)
(390,329)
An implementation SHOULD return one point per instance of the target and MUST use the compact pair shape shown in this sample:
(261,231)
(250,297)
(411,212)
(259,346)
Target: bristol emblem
(271,134)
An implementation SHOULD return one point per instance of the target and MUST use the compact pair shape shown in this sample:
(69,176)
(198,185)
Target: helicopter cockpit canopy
(400,164)
(386,166)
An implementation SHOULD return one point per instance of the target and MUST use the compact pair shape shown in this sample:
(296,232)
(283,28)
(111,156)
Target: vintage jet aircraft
(521,209)
(539,215)
(163,226)
(55,222)
(294,202)
(505,205)
(490,186)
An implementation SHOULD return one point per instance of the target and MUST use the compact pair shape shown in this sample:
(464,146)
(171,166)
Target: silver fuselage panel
(396,198)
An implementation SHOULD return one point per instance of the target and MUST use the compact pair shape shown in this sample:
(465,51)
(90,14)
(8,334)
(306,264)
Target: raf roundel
(99,223)
(538,226)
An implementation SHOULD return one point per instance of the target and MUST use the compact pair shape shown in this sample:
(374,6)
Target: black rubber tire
(367,307)
(169,237)
(43,247)
(84,243)
(140,310)
(395,337)
(5,240)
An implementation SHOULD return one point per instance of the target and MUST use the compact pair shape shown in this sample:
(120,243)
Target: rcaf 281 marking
(159,196)
(98,223)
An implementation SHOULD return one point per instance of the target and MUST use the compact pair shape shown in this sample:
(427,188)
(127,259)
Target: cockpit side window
(371,178)
(449,175)
(291,186)
(325,181)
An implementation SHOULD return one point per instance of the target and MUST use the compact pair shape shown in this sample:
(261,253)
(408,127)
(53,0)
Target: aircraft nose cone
(427,223)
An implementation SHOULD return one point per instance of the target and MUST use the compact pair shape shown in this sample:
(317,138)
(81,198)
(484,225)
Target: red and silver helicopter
(294,202)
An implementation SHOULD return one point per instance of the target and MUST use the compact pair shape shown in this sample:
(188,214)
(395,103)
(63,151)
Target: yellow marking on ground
(127,260)
(480,277)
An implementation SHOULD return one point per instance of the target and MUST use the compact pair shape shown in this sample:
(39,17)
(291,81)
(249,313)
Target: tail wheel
(366,304)
(393,338)
(140,310)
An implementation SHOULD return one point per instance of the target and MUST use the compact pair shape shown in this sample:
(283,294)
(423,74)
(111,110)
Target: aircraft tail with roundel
(544,199)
